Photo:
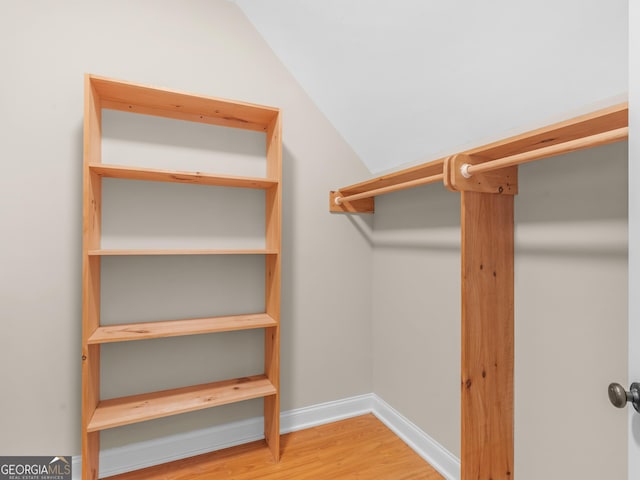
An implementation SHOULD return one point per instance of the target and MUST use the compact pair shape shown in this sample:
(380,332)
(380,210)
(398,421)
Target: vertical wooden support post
(92,213)
(273,223)
(487,336)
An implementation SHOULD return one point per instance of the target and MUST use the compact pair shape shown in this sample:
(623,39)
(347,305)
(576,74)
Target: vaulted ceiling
(406,81)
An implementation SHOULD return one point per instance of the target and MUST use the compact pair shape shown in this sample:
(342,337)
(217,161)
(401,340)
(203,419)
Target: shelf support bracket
(503,181)
(363,205)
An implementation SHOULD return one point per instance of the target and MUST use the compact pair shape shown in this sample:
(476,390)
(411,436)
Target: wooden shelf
(148,406)
(97,414)
(134,252)
(162,102)
(176,328)
(197,178)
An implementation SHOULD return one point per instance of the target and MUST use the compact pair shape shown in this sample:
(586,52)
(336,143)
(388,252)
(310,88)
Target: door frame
(634,232)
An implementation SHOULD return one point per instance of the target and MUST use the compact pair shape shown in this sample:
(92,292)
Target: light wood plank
(135,98)
(592,123)
(198,178)
(272,403)
(487,336)
(176,328)
(428,169)
(273,229)
(184,251)
(91,228)
(591,141)
(148,406)
(346,199)
(357,448)
(177,113)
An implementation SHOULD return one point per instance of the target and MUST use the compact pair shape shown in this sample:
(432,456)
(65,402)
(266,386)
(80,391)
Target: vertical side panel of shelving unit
(92,208)
(273,221)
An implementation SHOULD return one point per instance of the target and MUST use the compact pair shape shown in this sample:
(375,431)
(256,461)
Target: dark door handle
(619,397)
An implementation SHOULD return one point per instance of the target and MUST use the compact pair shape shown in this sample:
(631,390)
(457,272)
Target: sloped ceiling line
(406,81)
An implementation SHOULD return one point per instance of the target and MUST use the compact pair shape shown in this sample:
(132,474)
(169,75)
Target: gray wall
(416,308)
(571,313)
(199,46)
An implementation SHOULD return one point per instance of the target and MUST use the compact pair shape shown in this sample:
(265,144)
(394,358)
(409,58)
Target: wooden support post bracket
(362,205)
(502,181)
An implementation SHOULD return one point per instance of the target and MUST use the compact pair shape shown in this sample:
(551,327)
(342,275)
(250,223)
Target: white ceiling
(405,81)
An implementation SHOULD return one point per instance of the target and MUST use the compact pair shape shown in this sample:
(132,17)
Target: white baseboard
(307,417)
(148,453)
(447,464)
(174,447)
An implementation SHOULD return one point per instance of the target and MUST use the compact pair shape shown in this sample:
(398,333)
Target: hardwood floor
(359,448)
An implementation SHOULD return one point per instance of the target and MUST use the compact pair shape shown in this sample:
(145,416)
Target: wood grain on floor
(359,448)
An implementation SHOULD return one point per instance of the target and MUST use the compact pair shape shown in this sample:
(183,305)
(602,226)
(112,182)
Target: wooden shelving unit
(99,414)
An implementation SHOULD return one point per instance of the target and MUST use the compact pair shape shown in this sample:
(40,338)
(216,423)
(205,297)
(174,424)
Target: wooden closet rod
(604,138)
(600,127)
(468,170)
(392,188)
